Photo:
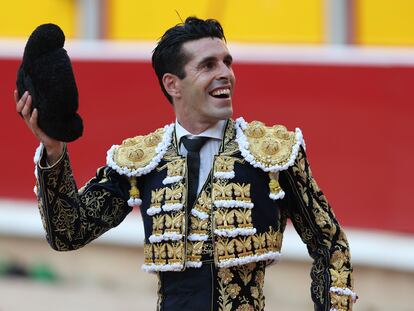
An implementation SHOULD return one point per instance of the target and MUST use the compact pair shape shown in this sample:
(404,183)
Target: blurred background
(342,71)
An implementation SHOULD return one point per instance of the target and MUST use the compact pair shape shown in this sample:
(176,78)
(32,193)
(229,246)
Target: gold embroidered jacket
(259,178)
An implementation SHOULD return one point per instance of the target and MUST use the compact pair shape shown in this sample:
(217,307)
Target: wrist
(54,153)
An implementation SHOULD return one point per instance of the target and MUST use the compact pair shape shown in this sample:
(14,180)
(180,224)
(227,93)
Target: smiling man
(214,193)
(198,80)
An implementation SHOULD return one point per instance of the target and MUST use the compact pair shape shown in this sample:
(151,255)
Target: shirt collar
(215,131)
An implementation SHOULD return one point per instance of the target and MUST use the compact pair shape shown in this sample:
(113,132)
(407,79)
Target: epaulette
(271,148)
(139,155)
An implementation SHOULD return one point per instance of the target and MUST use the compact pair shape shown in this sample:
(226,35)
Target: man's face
(207,89)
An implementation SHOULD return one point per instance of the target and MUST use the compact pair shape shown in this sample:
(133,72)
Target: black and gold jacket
(259,178)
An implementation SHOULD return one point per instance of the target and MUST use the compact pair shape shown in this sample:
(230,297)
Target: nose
(225,72)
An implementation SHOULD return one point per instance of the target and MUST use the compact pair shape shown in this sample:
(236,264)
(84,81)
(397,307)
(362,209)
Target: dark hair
(168,57)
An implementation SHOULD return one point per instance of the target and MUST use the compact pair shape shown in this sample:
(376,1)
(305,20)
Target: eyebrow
(207,59)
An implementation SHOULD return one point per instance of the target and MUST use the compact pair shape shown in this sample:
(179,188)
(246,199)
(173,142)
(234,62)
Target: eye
(209,65)
(228,62)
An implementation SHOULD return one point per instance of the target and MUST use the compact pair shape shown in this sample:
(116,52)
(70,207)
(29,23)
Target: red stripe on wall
(357,123)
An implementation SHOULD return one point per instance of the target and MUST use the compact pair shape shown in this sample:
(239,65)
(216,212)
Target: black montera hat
(46,72)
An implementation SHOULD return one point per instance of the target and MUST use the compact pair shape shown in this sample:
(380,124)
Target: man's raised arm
(70,217)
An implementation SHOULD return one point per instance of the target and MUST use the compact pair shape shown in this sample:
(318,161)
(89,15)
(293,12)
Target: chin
(224,114)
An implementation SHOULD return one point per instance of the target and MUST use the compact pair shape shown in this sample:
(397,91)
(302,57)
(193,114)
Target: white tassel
(168,207)
(162,268)
(199,214)
(193,264)
(248,259)
(277,196)
(172,179)
(153,211)
(155,238)
(197,237)
(233,203)
(224,175)
(344,292)
(134,202)
(235,232)
(167,236)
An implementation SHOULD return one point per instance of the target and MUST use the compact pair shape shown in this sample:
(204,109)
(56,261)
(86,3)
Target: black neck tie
(193,147)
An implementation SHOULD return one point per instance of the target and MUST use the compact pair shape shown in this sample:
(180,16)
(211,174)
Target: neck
(195,128)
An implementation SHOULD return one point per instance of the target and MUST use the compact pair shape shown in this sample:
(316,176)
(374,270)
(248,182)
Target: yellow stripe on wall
(384,22)
(275,21)
(129,19)
(249,21)
(18,18)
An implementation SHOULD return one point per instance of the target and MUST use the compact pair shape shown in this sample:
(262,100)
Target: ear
(171,84)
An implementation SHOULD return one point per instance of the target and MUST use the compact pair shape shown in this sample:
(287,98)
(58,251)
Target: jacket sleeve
(315,222)
(71,217)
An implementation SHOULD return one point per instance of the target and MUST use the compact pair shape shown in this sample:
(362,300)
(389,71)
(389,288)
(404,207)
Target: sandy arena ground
(102,277)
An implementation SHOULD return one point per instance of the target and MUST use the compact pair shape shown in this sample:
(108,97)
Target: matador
(214,217)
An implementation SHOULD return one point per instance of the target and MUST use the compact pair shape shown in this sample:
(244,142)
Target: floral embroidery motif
(233,290)
(245,307)
(241,288)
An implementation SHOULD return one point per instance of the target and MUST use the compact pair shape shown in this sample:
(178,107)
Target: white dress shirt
(207,152)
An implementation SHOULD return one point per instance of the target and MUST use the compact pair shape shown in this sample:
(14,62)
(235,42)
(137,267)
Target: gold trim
(137,152)
(270,145)
(49,167)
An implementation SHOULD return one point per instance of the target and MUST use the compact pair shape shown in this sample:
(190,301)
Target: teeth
(221,92)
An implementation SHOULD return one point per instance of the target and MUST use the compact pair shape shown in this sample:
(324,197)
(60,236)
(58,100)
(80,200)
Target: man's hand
(54,148)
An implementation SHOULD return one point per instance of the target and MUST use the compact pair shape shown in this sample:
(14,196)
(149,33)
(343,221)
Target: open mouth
(220,93)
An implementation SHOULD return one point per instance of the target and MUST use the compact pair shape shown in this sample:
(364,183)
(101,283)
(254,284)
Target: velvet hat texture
(46,72)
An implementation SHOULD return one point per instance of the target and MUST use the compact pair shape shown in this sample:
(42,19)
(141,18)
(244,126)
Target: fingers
(26,111)
(20,103)
(16,96)
(33,119)
(33,123)
(23,105)
(53,147)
